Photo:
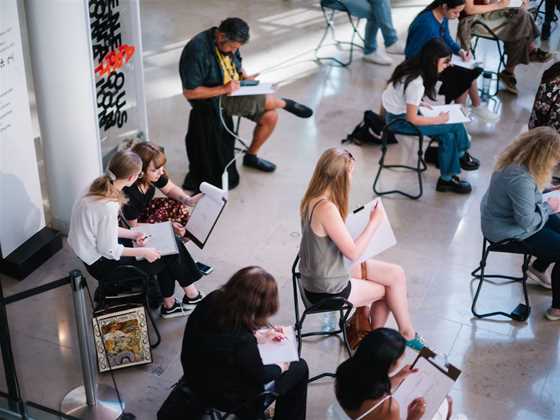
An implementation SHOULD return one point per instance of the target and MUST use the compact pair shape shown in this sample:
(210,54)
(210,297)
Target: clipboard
(162,237)
(433,381)
(280,352)
(206,214)
(456,113)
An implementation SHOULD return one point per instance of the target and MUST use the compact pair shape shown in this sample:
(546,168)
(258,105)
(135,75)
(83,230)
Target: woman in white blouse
(102,245)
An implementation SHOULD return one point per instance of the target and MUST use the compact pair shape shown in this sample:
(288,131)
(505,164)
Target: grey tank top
(321,262)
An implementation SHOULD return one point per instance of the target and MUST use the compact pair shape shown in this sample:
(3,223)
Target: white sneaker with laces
(540,278)
(378,57)
(396,48)
(483,113)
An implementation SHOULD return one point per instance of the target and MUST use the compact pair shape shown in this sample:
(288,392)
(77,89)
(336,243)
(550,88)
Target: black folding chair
(329,9)
(332,304)
(489,35)
(509,246)
(420,164)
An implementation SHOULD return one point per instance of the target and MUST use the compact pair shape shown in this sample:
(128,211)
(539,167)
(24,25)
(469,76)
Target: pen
(148,236)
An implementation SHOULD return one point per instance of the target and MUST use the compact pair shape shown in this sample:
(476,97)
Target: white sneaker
(396,48)
(540,278)
(483,113)
(378,57)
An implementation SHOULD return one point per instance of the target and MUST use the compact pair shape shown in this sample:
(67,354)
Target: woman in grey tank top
(374,287)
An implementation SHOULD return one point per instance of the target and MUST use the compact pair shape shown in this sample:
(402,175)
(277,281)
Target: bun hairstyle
(365,375)
(121,166)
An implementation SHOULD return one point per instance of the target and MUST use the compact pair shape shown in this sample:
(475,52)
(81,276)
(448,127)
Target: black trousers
(545,245)
(180,267)
(291,386)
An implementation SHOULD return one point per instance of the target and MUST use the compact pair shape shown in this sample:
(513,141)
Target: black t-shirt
(138,200)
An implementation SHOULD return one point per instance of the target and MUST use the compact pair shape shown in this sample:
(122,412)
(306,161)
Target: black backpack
(369,131)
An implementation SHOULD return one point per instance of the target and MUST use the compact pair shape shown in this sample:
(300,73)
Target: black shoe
(253,161)
(469,163)
(297,109)
(189,303)
(454,185)
(545,32)
(175,311)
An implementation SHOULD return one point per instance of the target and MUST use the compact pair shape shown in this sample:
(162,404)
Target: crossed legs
(383,291)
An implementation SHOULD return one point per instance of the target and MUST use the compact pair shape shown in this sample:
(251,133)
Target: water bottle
(486,82)
(329,321)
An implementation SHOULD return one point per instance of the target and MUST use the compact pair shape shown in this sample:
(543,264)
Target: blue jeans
(545,245)
(452,139)
(378,15)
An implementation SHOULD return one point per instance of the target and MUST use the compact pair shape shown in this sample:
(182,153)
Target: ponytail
(122,165)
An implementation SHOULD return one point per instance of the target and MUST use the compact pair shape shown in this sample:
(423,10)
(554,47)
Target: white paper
(206,212)
(515,3)
(458,61)
(382,239)
(260,89)
(456,114)
(428,383)
(280,351)
(162,237)
(553,193)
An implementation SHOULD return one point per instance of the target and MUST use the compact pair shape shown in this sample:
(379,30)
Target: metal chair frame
(334,6)
(490,37)
(420,165)
(142,294)
(523,310)
(334,304)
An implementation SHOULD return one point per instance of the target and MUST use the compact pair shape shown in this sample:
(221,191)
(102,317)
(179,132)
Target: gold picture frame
(125,340)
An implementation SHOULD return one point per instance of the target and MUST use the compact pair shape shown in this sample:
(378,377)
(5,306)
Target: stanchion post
(84,335)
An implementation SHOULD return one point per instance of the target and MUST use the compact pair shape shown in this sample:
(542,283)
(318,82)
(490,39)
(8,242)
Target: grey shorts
(250,106)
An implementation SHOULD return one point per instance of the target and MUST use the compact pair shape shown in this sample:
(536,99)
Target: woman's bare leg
(392,277)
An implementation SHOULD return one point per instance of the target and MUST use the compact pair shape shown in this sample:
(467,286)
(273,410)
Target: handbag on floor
(369,131)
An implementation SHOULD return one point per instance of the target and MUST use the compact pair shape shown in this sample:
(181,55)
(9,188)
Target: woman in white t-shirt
(103,246)
(410,82)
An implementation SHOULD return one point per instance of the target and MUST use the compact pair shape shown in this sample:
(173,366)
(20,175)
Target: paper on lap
(458,61)
(382,239)
(280,351)
(456,114)
(260,89)
(162,237)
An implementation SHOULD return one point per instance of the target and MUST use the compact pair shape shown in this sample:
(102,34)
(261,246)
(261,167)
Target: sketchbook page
(515,3)
(429,383)
(382,239)
(280,351)
(456,60)
(553,193)
(162,237)
(456,113)
(260,89)
(206,213)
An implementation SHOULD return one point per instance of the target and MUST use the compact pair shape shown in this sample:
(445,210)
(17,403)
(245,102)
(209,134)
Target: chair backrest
(296,280)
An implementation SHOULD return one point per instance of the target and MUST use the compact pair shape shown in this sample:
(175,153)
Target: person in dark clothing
(220,358)
(210,69)
(549,17)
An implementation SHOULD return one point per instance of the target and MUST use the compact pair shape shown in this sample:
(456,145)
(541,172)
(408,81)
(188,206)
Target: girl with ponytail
(97,239)
(457,81)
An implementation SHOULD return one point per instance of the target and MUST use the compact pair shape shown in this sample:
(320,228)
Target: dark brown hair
(247,300)
(149,152)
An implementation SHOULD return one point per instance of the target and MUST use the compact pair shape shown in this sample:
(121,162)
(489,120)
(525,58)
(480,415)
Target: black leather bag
(369,131)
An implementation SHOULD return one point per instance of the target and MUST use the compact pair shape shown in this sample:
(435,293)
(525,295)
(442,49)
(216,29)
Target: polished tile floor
(510,370)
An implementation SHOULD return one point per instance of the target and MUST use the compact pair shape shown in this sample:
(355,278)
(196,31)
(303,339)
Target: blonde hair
(331,174)
(122,165)
(149,152)
(537,149)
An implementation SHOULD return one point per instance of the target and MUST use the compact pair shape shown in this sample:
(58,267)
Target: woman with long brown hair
(374,287)
(142,207)
(221,361)
(97,239)
(514,208)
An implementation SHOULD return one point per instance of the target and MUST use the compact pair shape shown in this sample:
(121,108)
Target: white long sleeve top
(94,230)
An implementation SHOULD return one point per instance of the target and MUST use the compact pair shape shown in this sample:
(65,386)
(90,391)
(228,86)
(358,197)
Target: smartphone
(204,269)
(248,82)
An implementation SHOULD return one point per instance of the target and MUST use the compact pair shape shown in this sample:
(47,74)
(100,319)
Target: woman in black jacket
(221,361)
